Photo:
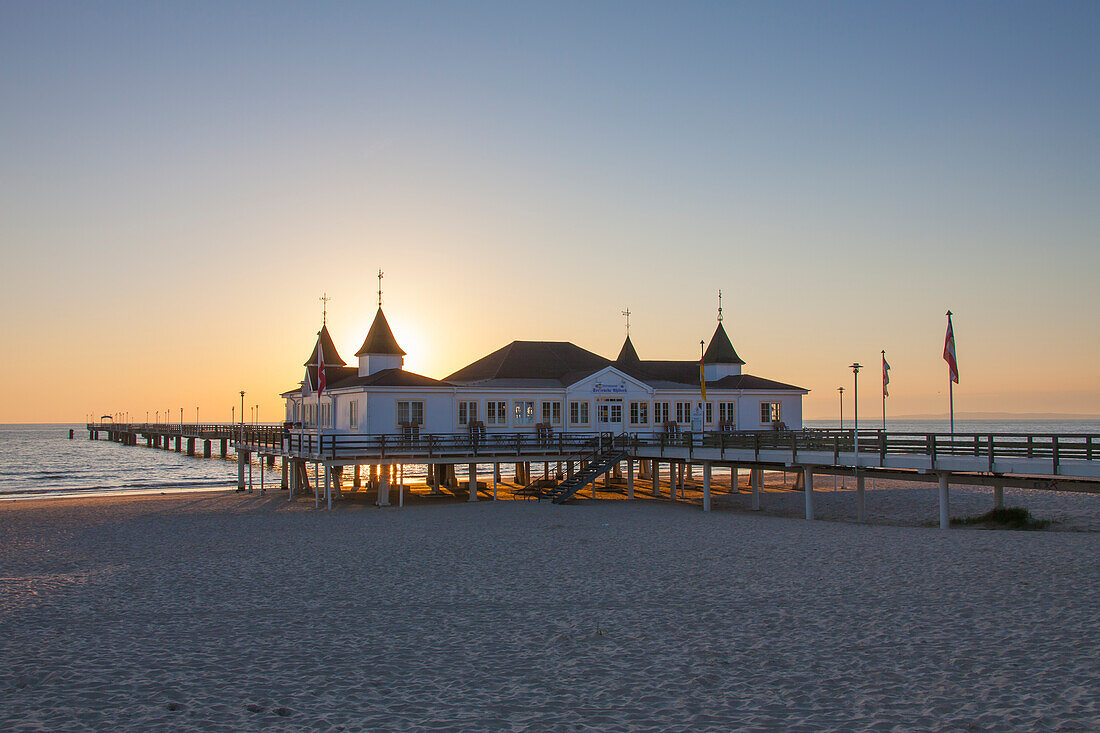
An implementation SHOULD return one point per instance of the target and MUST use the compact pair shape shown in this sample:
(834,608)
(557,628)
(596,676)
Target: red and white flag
(949,351)
(885,375)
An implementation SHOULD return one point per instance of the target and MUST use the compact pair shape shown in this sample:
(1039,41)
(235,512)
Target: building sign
(697,420)
(599,388)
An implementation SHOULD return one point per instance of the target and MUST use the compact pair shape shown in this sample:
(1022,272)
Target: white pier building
(538,387)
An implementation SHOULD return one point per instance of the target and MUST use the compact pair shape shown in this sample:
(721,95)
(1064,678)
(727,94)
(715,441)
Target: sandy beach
(242,612)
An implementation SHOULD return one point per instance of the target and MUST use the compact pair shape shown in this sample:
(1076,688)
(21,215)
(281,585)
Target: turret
(328,349)
(720,359)
(380,350)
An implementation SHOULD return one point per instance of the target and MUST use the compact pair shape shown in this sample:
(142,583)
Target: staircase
(598,464)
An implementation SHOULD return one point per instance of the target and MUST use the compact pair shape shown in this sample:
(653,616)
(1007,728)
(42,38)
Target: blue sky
(844,172)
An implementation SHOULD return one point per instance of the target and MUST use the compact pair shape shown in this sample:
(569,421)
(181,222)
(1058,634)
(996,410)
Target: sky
(181,181)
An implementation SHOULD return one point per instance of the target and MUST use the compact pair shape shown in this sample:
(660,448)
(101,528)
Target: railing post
(836,450)
(1030,447)
(989,442)
(1054,446)
(882,448)
(794,449)
(931,440)
(1088,447)
(756,445)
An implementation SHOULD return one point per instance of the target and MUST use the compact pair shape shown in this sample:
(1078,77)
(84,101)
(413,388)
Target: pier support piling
(998,496)
(629,478)
(384,486)
(242,460)
(284,482)
(808,488)
(706,487)
(473,482)
(756,477)
(945,514)
(206,449)
(861,500)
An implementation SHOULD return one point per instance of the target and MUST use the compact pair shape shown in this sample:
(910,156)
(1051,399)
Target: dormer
(720,359)
(380,350)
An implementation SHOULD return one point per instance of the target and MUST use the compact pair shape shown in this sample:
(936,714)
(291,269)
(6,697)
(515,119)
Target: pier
(664,462)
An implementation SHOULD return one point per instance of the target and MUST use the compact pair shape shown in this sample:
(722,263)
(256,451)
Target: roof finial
(380,288)
(627,314)
(324,308)
(719,306)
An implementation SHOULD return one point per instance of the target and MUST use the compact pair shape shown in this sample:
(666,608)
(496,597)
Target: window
(496,413)
(326,415)
(578,413)
(770,412)
(467,412)
(353,414)
(525,412)
(639,413)
(727,413)
(683,412)
(551,413)
(660,413)
(410,413)
(708,411)
(609,412)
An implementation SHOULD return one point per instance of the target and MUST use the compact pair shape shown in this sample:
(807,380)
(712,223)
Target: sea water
(41,459)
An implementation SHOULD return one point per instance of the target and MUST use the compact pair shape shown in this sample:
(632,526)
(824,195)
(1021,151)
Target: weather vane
(719,306)
(627,314)
(324,307)
(379,288)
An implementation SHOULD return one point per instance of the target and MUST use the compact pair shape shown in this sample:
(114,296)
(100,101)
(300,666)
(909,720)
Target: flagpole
(884,390)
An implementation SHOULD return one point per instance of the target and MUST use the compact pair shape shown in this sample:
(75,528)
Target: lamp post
(856,366)
(841,391)
(257,421)
(242,415)
(196,416)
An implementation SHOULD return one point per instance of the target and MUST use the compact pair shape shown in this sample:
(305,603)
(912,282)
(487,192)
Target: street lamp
(855,405)
(242,415)
(841,391)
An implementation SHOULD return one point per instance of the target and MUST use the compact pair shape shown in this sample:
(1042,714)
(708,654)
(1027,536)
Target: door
(609,416)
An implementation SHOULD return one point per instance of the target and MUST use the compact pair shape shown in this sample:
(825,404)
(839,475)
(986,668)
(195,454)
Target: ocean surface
(40,459)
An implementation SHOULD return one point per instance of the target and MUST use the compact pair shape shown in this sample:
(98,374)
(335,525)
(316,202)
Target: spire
(324,342)
(380,338)
(628,355)
(720,350)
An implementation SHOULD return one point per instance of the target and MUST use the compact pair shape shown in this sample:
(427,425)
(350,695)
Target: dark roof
(748,381)
(720,350)
(380,338)
(340,377)
(531,360)
(332,357)
(627,354)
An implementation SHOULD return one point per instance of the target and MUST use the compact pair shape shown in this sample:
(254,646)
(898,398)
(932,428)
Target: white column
(706,487)
(473,482)
(756,477)
(945,518)
(808,480)
(998,496)
(384,485)
(629,478)
(861,506)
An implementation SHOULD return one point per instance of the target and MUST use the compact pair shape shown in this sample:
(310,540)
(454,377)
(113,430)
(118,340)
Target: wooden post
(756,477)
(629,478)
(242,458)
(861,506)
(945,515)
(224,447)
(998,496)
(190,446)
(473,482)
(284,482)
(734,479)
(384,485)
(656,478)
(357,478)
(706,487)
(496,473)
(808,487)
(206,449)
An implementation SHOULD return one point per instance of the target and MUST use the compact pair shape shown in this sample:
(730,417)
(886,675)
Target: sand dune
(241,612)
